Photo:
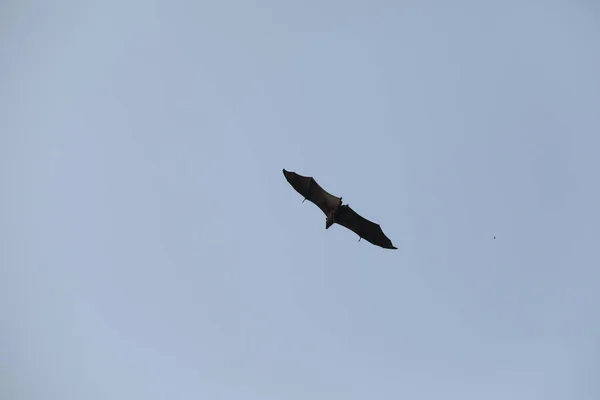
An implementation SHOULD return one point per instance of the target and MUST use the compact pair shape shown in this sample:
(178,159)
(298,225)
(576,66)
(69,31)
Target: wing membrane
(308,187)
(364,228)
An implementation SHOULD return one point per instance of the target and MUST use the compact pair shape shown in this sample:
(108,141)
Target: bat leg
(359,238)
(329,220)
(304,200)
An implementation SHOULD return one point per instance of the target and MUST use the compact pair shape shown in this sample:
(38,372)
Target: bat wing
(364,228)
(310,189)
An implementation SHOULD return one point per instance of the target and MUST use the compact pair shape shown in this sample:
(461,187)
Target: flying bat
(335,212)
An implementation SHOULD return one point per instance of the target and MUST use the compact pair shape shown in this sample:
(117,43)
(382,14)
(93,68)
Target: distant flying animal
(336,212)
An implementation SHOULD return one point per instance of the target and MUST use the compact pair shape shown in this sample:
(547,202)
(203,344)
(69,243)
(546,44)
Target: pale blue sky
(152,249)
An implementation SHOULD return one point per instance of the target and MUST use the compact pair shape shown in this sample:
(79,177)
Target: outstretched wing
(364,228)
(310,189)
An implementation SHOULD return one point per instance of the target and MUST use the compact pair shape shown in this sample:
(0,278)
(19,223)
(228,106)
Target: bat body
(335,212)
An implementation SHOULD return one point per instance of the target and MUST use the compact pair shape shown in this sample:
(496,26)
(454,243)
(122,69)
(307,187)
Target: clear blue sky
(152,249)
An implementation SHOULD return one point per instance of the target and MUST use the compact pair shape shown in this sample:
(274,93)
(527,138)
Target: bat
(335,212)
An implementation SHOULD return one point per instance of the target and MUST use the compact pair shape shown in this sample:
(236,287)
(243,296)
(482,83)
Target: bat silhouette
(336,212)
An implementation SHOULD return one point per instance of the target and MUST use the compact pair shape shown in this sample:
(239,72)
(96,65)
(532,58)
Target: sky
(151,247)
